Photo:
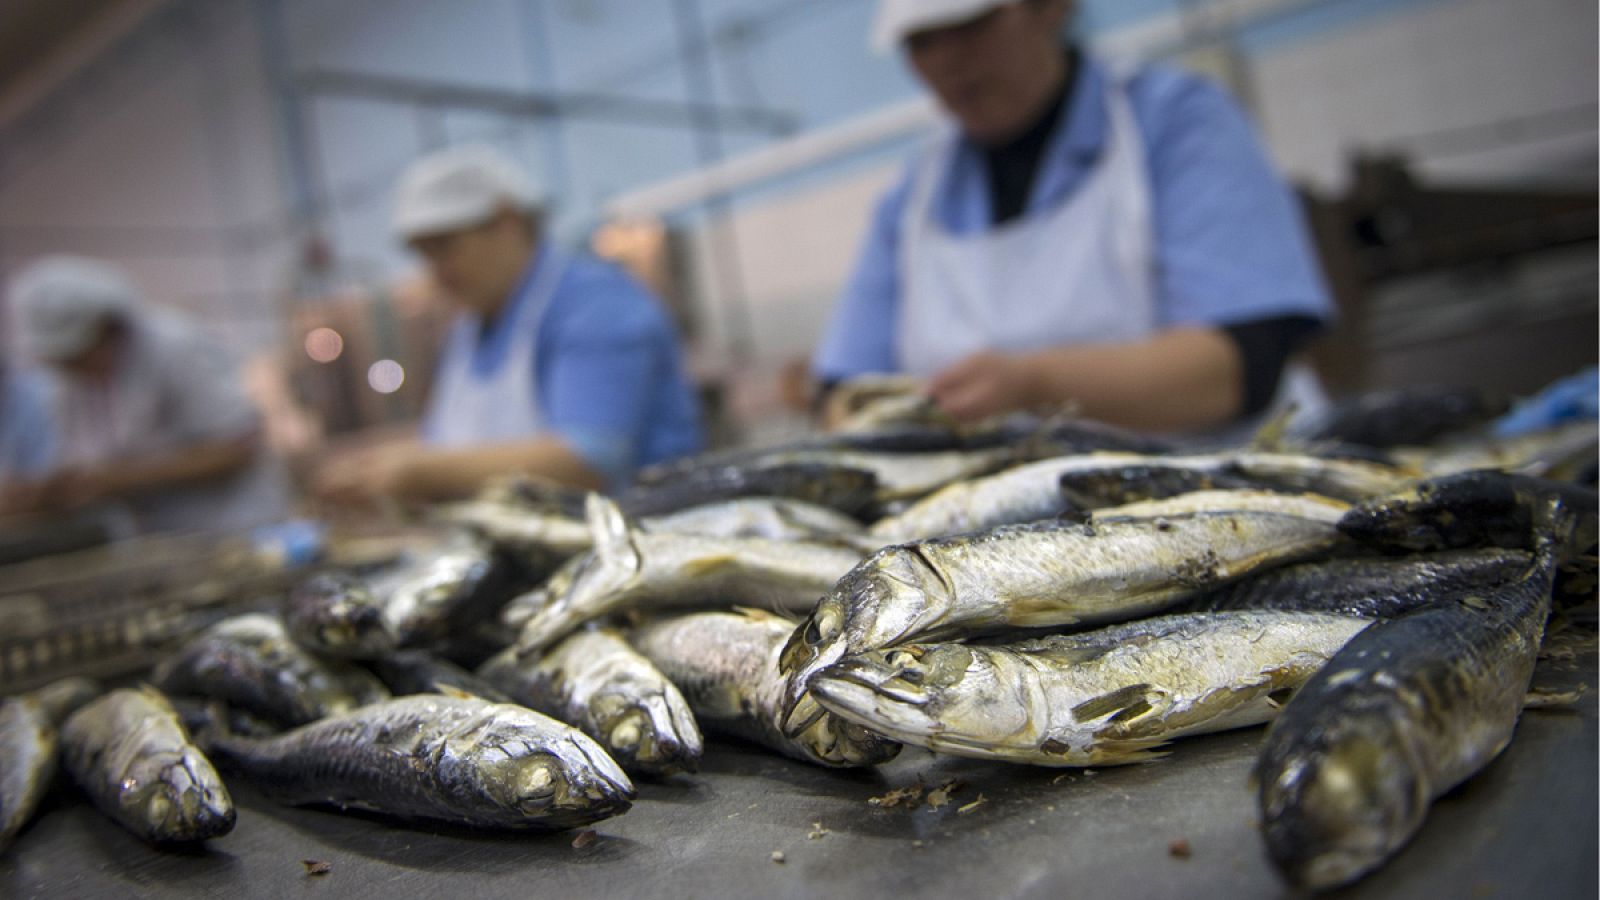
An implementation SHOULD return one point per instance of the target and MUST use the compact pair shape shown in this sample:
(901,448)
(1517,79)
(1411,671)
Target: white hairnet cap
(61,302)
(899,19)
(459,188)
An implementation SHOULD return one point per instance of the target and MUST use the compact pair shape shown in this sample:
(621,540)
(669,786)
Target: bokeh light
(385,376)
(324,344)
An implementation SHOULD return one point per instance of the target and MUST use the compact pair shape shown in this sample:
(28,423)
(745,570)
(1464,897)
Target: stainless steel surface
(1527,826)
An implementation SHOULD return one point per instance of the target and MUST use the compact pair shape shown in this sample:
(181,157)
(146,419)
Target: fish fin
(1121,704)
(607,525)
(450,690)
(757,613)
(1543,699)
(1273,435)
(709,565)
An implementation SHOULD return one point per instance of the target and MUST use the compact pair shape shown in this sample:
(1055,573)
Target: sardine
(1305,506)
(1471,509)
(824,478)
(29,736)
(726,664)
(539,538)
(1016,495)
(595,681)
(413,604)
(772,518)
(132,756)
(1145,480)
(458,760)
(630,569)
(1104,697)
(1553,453)
(249,662)
(1042,575)
(420,672)
(1047,488)
(1373,587)
(1406,416)
(1405,712)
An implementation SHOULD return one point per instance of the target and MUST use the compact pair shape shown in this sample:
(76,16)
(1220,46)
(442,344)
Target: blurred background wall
(237,155)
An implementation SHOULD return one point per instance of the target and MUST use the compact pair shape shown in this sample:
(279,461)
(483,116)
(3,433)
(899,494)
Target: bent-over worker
(1075,236)
(557,365)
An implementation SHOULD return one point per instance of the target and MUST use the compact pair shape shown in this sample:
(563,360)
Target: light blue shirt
(1231,242)
(27,436)
(608,373)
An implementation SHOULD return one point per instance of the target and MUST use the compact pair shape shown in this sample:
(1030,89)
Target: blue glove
(1572,399)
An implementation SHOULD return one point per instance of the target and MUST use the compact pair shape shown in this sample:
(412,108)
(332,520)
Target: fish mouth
(876,698)
(796,715)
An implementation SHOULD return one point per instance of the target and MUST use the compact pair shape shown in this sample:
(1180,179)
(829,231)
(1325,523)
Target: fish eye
(823,626)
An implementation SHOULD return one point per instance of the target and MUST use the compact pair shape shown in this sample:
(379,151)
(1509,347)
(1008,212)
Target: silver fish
(1016,495)
(250,662)
(132,756)
(772,518)
(631,569)
(1405,712)
(1305,506)
(543,534)
(1042,575)
(595,681)
(727,667)
(459,760)
(29,725)
(1105,697)
(1034,491)
(415,603)
(1372,587)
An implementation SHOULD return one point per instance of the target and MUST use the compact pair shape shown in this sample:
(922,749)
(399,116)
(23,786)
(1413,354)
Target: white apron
(467,408)
(1081,273)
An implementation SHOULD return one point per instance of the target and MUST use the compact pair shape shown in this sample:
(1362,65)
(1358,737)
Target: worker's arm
(445,473)
(131,477)
(1180,379)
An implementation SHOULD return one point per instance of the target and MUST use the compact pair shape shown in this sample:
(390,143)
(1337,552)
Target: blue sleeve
(859,338)
(1232,244)
(27,436)
(603,352)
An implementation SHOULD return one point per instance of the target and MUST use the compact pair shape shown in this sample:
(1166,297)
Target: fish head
(1338,806)
(338,616)
(1453,511)
(921,692)
(569,780)
(177,799)
(877,604)
(834,741)
(656,733)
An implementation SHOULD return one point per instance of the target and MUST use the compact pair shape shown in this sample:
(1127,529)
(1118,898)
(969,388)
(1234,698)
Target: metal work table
(1527,826)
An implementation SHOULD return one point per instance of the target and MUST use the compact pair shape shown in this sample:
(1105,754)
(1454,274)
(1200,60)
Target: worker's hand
(365,476)
(982,385)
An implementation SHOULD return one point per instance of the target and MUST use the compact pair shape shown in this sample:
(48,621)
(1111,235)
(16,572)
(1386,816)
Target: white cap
(899,19)
(459,188)
(62,301)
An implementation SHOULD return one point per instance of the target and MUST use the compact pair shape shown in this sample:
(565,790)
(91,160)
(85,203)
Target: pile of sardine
(1053,592)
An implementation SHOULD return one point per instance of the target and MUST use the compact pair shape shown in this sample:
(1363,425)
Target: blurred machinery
(1470,285)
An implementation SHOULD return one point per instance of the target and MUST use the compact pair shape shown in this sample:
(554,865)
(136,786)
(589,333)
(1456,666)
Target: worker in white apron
(151,422)
(557,366)
(1077,237)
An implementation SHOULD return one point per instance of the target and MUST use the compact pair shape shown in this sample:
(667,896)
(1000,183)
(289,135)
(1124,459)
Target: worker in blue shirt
(1076,237)
(557,366)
